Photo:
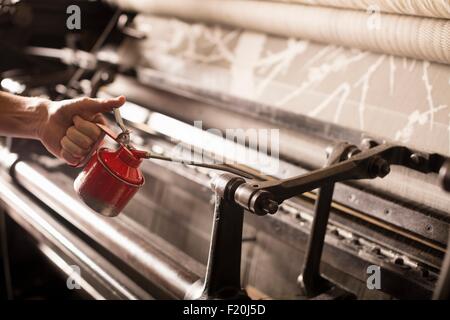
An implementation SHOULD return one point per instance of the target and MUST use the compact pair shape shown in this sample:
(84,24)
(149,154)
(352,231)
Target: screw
(270,206)
(380,167)
(416,159)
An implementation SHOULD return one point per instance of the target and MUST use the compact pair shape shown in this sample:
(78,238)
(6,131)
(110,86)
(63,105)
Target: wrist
(38,109)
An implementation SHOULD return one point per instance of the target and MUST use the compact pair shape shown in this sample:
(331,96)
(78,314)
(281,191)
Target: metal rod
(311,279)
(221,167)
(97,45)
(124,139)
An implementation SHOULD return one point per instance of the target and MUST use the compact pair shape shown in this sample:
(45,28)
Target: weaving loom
(370,73)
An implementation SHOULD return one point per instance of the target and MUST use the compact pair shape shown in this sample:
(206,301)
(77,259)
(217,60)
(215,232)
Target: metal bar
(223,272)
(222,167)
(6,290)
(97,45)
(369,164)
(310,278)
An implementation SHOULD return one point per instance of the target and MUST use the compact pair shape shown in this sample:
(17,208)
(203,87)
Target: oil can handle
(122,138)
(108,131)
(118,137)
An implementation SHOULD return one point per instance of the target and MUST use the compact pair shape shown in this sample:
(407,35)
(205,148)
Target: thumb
(89,107)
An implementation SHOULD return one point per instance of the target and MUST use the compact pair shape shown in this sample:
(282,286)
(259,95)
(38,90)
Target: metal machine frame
(234,194)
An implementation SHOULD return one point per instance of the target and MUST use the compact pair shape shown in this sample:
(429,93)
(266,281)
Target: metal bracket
(310,279)
(223,280)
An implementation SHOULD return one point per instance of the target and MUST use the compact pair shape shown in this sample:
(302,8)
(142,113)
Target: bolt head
(380,168)
(416,159)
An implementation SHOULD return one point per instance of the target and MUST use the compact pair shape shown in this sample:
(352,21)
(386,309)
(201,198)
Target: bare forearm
(21,116)
(66,128)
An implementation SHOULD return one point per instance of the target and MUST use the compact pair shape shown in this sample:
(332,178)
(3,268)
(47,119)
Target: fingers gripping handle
(121,138)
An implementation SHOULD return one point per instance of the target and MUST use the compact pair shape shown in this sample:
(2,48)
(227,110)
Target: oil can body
(109,180)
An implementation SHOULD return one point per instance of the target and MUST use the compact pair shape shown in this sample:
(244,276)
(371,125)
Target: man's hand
(68,127)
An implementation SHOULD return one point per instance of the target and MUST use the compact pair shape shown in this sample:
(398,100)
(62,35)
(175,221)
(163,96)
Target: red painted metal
(110,179)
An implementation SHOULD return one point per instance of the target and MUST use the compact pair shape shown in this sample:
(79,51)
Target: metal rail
(99,278)
(172,272)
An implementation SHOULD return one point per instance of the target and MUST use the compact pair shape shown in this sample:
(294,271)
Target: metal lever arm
(368,164)
(310,279)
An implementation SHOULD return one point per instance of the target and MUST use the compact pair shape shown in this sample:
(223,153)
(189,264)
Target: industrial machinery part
(175,73)
(346,162)
(445,176)
(442,291)
(349,28)
(222,279)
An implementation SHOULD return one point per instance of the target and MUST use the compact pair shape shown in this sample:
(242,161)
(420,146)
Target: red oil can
(110,179)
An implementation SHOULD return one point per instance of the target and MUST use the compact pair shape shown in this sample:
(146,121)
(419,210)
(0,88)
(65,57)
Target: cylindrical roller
(424,8)
(406,36)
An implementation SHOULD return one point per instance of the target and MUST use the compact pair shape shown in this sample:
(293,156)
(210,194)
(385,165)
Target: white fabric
(401,99)
(426,8)
(401,35)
